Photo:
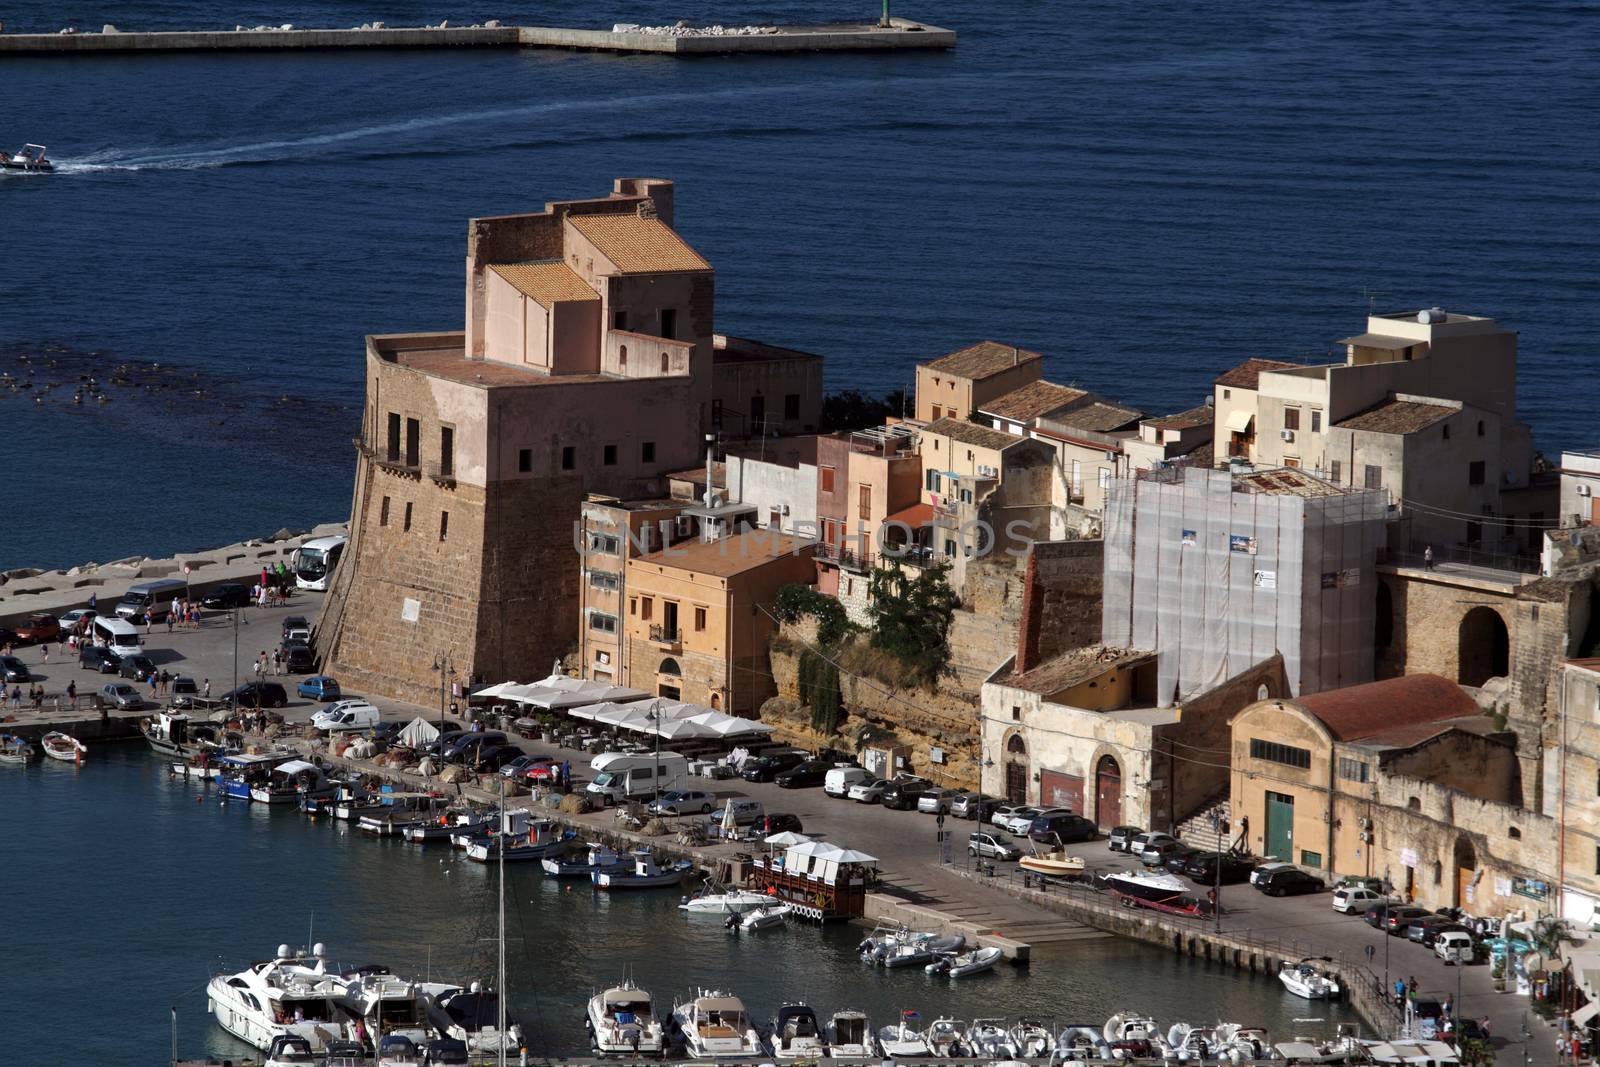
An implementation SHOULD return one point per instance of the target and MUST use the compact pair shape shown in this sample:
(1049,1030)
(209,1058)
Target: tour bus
(115,634)
(314,561)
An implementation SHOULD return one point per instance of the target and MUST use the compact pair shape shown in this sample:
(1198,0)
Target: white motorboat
(1192,1044)
(901,1041)
(14,749)
(63,747)
(29,159)
(962,964)
(762,918)
(849,1035)
(1033,1040)
(991,1040)
(1306,979)
(398,1050)
(1081,1043)
(714,1026)
(289,1050)
(715,899)
(1133,1035)
(1238,1044)
(292,994)
(622,1021)
(347,1054)
(947,1038)
(796,1034)
(1055,863)
(1149,887)
(288,782)
(475,1017)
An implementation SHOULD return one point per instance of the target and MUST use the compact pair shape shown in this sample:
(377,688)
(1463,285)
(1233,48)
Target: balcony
(442,475)
(847,558)
(407,467)
(667,638)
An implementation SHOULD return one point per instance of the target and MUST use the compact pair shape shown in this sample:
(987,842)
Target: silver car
(121,695)
(868,792)
(937,801)
(1016,820)
(981,843)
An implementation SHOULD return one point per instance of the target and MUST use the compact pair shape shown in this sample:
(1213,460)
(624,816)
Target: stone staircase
(1200,831)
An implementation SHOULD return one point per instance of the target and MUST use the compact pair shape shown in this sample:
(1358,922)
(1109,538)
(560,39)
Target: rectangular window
(383,513)
(1372,476)
(825,479)
(1316,421)
(603,580)
(444,525)
(1291,461)
(1475,472)
(699,618)
(413,442)
(931,481)
(1353,770)
(524,460)
(1474,532)
(935,414)
(1335,469)
(1310,859)
(609,544)
(1291,418)
(609,455)
(447,451)
(774,518)
(716,412)
(392,449)
(669,323)
(1105,478)
(791,407)
(602,621)
(619,320)
(864,503)
(1227,394)
(647,452)
(1273,752)
(408,515)
(1597,859)
(647,607)
(569,457)
(758,415)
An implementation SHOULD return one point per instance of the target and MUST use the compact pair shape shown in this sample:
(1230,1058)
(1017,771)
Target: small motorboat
(14,749)
(622,1021)
(962,964)
(1306,979)
(349,1054)
(1081,1043)
(584,863)
(1033,1040)
(715,1026)
(1055,863)
(901,1041)
(796,1034)
(947,1038)
(716,899)
(417,809)
(1147,887)
(921,949)
(1133,1035)
(849,1035)
(989,1039)
(29,159)
(763,918)
(63,747)
(644,875)
(1243,1043)
(1193,1044)
(290,1050)
(397,1050)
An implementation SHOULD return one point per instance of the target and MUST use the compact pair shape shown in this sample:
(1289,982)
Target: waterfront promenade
(1048,923)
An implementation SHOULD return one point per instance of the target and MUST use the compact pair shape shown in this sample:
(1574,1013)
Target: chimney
(711,442)
(1016,356)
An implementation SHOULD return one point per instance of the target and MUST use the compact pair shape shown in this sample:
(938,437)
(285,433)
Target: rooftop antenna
(1371,295)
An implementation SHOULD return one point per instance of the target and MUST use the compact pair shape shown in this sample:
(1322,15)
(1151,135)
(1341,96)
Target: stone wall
(1061,603)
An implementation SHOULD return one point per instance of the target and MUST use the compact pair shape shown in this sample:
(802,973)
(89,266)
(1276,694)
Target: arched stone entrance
(1466,867)
(1107,792)
(1016,769)
(1483,647)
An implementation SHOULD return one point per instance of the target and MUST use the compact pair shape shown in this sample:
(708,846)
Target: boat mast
(501,987)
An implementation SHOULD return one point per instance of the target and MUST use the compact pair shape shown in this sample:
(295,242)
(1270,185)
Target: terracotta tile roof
(636,245)
(1200,415)
(1032,401)
(970,433)
(1099,417)
(1286,481)
(1414,734)
(1072,667)
(982,360)
(545,282)
(1361,711)
(730,555)
(1397,416)
(1247,374)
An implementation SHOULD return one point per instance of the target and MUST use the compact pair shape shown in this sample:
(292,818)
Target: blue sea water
(1147,192)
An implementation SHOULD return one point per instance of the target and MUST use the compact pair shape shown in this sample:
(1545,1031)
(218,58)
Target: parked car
(746,812)
(683,802)
(1421,930)
(69,621)
(804,775)
(38,627)
(318,687)
(184,691)
(768,767)
(1120,839)
(1156,853)
(777,822)
(257,695)
(1290,882)
(1147,839)
(1395,920)
(137,667)
(298,658)
(1264,870)
(937,801)
(461,749)
(1178,860)
(1455,946)
(227,595)
(97,659)
(518,767)
(1062,826)
(295,628)
(991,846)
(840,779)
(1202,867)
(902,794)
(490,758)
(974,806)
(1435,931)
(385,734)
(869,791)
(122,696)
(1347,899)
(13,669)
(1016,820)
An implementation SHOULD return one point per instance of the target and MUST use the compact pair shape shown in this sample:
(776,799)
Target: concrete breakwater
(842,37)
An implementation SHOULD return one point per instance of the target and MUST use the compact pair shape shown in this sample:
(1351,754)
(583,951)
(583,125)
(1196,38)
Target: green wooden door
(1280,827)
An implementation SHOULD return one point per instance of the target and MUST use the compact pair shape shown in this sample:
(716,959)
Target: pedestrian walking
(1427,558)
(45,648)
(277,661)
(72,692)
(171,620)
(256,669)
(205,690)
(147,621)
(16,697)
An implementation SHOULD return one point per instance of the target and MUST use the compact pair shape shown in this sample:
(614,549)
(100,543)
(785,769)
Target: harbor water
(127,889)
(1146,192)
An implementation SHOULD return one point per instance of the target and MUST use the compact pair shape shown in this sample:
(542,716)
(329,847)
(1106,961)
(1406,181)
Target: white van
(115,634)
(1454,946)
(745,812)
(154,597)
(346,715)
(838,781)
(625,776)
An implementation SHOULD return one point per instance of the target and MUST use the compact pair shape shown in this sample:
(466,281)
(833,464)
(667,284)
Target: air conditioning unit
(1581,489)
(784,509)
(1287,435)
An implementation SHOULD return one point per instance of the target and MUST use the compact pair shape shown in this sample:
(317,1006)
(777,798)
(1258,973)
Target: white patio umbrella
(682,730)
(497,690)
(850,855)
(787,839)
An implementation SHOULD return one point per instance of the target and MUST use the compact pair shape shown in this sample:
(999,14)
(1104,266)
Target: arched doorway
(1484,647)
(669,684)
(716,701)
(1108,793)
(1466,865)
(1016,769)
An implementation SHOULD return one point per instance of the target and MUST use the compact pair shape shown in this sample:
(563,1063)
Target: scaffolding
(1218,571)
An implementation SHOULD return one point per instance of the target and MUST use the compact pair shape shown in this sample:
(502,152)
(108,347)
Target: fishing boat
(849,1035)
(167,734)
(289,781)
(796,1034)
(947,1038)
(29,159)
(714,1025)
(990,1039)
(441,829)
(715,898)
(902,1041)
(1148,887)
(645,874)
(544,837)
(1306,979)
(63,747)
(415,809)
(14,749)
(962,964)
(584,862)
(240,773)
(622,1021)
(1055,863)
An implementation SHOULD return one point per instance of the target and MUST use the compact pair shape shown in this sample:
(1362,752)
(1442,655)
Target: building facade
(1234,409)
(613,532)
(958,385)
(762,390)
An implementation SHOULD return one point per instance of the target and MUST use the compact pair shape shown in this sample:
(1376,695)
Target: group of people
(35,696)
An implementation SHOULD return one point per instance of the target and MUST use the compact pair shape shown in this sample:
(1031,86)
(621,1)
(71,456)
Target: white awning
(1582,1016)
(1239,421)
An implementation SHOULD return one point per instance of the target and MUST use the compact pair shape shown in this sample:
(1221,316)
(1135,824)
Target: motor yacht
(622,1021)
(849,1035)
(1307,979)
(389,1004)
(714,1025)
(473,1017)
(293,994)
(796,1034)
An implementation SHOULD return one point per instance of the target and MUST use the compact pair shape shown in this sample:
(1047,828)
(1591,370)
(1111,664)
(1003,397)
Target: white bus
(314,561)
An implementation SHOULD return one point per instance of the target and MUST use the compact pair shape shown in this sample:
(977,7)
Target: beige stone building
(695,626)
(1182,437)
(1572,790)
(1020,410)
(762,390)
(989,492)
(1234,409)
(613,532)
(958,385)
(1088,443)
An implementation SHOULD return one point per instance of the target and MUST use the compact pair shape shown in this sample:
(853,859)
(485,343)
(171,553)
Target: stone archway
(1016,769)
(1107,792)
(670,666)
(1483,647)
(1465,862)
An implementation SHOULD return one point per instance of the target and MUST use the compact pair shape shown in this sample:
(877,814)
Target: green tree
(1548,934)
(911,613)
(855,410)
(819,690)
(795,601)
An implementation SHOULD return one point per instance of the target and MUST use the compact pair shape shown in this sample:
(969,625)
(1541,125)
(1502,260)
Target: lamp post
(653,717)
(1216,889)
(446,671)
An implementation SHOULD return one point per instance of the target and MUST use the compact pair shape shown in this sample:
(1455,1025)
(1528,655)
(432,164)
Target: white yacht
(849,1035)
(796,1034)
(292,994)
(622,1020)
(719,900)
(475,1017)
(901,1041)
(715,1026)
(389,1004)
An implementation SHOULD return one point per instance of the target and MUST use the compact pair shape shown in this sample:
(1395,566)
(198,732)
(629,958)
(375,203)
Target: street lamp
(1216,889)
(653,717)
(446,671)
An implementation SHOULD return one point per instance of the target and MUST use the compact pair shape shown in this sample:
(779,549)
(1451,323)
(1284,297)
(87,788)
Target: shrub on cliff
(795,601)
(911,613)
(819,690)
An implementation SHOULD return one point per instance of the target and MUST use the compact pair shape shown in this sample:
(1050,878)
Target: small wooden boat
(1056,864)
(64,747)
(644,874)
(14,749)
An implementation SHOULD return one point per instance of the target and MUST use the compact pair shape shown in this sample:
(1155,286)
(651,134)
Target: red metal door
(1016,783)
(1108,793)
(1057,790)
